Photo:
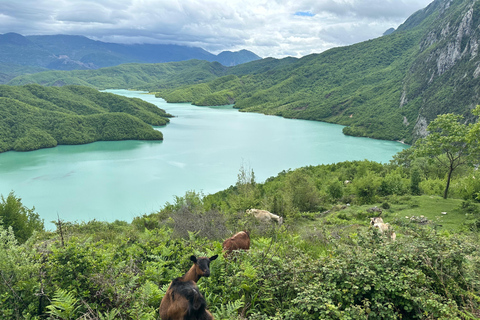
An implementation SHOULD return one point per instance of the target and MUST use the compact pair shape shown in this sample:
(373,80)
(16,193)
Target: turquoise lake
(203,150)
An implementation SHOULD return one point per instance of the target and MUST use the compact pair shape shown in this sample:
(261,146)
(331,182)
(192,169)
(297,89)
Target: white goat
(385,228)
(265,216)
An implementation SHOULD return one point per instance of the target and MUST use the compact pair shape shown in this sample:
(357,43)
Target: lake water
(203,150)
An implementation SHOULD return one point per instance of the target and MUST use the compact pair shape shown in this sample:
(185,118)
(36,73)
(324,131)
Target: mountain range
(390,87)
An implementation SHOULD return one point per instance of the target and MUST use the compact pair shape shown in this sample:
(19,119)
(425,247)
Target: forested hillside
(150,76)
(389,88)
(130,76)
(34,117)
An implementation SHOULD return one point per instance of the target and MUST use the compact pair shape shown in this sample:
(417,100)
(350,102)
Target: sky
(269,28)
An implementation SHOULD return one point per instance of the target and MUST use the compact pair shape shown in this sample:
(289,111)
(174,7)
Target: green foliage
(326,264)
(335,189)
(379,88)
(366,188)
(22,220)
(228,311)
(380,281)
(35,117)
(19,278)
(415,179)
(64,305)
(129,76)
(449,142)
(421,275)
(393,183)
(301,192)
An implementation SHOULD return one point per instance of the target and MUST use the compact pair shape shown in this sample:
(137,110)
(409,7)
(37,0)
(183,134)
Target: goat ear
(214,257)
(193,259)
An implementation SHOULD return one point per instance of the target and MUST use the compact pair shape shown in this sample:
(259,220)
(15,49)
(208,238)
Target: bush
(433,187)
(393,183)
(22,220)
(335,189)
(366,188)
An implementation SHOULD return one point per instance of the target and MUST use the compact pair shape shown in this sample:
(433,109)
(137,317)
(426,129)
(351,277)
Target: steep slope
(34,117)
(444,77)
(357,85)
(387,88)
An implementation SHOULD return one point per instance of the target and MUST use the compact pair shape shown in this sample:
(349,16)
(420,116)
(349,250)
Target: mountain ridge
(72,52)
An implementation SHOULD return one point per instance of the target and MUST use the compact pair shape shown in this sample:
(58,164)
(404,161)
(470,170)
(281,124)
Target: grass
(344,221)
(433,208)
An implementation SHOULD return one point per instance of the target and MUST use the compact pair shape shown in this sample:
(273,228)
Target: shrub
(24,221)
(393,183)
(366,188)
(432,187)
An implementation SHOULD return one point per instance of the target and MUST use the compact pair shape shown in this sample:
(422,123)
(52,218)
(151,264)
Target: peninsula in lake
(34,117)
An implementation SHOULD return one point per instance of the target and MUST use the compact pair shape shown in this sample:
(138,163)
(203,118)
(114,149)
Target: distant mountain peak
(230,59)
(14,39)
(389,31)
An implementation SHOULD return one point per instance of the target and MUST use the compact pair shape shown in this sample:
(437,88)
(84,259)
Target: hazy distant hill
(143,76)
(151,77)
(68,52)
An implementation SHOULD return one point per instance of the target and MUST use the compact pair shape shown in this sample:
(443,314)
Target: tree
(22,220)
(415,178)
(451,142)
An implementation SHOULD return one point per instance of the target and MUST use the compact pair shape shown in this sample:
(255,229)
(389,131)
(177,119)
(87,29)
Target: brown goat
(183,300)
(239,241)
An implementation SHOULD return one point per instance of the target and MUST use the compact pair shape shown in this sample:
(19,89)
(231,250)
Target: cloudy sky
(270,28)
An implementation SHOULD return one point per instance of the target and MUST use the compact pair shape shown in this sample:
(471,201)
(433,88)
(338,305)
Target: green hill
(387,88)
(35,117)
(130,76)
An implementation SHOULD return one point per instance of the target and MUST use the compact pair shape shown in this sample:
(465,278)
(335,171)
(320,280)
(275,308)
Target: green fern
(64,305)
(109,315)
(164,288)
(228,311)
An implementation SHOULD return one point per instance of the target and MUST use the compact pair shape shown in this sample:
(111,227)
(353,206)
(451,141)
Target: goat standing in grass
(384,228)
(264,215)
(239,241)
(183,300)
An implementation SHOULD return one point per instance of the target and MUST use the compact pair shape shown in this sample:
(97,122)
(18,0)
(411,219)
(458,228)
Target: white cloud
(275,28)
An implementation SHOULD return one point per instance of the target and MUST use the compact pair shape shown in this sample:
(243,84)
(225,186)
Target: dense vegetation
(129,76)
(324,262)
(149,76)
(10,71)
(34,117)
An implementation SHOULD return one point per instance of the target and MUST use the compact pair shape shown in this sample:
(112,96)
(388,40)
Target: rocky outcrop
(441,79)
(420,129)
